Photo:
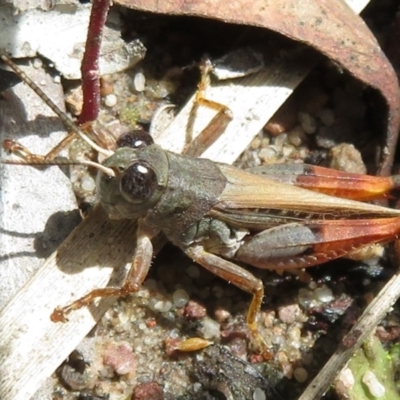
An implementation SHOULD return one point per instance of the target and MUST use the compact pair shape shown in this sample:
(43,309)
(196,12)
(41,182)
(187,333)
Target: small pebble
(288,314)
(280,141)
(106,86)
(294,335)
(37,63)
(139,82)
(345,157)
(305,297)
(307,122)
(296,136)
(180,298)
(88,183)
(222,315)
(120,357)
(268,154)
(210,328)
(300,374)
(161,305)
(256,143)
(110,100)
(259,394)
(194,310)
(323,294)
(345,381)
(197,387)
(374,386)
(147,391)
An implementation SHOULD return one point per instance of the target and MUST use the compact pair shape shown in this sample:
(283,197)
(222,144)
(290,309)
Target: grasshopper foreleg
(234,274)
(137,274)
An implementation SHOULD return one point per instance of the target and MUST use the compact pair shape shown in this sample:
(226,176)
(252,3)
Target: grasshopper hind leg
(239,277)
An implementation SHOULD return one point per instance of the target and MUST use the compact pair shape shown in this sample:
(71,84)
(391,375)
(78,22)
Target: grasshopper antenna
(59,161)
(19,150)
(69,123)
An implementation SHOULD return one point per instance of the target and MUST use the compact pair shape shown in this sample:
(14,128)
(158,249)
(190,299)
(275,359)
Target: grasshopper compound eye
(136,139)
(138,182)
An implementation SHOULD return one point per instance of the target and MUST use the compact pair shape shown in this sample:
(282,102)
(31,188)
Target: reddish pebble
(194,310)
(289,314)
(284,119)
(148,391)
(256,358)
(151,323)
(221,315)
(120,357)
(171,346)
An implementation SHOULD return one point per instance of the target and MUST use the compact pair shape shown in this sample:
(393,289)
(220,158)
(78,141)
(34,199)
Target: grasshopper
(279,218)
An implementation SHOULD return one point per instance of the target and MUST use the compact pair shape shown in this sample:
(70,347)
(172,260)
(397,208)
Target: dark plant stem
(90,62)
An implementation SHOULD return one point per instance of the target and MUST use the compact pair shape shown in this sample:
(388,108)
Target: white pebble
(267,153)
(346,379)
(180,298)
(110,100)
(160,304)
(57,79)
(88,183)
(374,386)
(123,318)
(305,297)
(197,387)
(139,82)
(210,328)
(323,294)
(259,394)
(288,150)
(37,63)
(280,140)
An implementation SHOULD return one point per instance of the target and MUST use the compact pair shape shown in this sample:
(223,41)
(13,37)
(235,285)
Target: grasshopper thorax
(141,174)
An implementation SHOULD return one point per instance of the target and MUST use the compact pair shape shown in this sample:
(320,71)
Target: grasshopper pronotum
(271,218)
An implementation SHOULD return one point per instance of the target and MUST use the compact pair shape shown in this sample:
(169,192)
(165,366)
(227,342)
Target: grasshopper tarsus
(60,315)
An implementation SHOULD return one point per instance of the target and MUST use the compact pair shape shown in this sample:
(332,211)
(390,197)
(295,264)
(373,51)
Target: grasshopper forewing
(218,214)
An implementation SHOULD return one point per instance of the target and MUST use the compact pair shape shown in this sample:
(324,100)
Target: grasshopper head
(141,174)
